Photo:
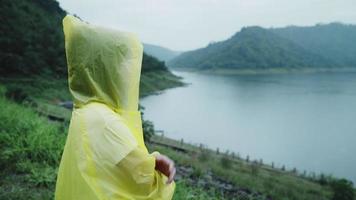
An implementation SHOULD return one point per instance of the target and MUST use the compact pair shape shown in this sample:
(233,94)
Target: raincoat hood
(103,65)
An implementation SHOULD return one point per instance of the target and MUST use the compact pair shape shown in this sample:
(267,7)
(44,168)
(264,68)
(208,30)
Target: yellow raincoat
(105,157)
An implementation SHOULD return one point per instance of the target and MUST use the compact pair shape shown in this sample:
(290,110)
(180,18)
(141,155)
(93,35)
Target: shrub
(322,179)
(226,162)
(148,130)
(15,93)
(254,168)
(43,175)
(343,190)
(2,91)
(197,171)
(204,156)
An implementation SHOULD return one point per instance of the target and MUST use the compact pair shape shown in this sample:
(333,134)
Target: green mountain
(159,52)
(335,41)
(259,48)
(32,44)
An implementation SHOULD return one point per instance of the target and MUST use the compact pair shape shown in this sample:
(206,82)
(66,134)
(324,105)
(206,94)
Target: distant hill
(335,41)
(289,48)
(162,53)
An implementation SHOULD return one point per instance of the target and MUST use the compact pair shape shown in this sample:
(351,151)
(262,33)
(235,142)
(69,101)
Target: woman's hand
(165,166)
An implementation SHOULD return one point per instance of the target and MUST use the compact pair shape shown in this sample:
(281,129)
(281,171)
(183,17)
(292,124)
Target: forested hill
(31,38)
(259,48)
(32,41)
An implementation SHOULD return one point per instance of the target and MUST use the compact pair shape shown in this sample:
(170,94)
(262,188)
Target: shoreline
(271,71)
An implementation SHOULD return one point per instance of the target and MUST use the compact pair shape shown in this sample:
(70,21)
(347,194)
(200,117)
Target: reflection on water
(307,121)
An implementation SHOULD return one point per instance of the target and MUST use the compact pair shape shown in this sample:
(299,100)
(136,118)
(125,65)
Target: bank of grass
(30,151)
(273,183)
(31,146)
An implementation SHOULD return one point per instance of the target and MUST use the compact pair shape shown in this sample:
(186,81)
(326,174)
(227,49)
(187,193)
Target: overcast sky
(191,24)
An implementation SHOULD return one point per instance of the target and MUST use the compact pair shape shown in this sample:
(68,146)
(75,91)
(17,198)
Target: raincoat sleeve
(136,170)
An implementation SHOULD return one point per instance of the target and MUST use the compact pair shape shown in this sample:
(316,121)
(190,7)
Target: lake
(307,121)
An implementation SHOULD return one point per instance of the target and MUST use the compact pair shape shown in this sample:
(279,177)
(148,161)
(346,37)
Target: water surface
(307,121)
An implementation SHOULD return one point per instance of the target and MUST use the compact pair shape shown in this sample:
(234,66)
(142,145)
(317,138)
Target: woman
(105,156)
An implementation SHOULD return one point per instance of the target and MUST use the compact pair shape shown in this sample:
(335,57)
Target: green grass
(185,191)
(30,151)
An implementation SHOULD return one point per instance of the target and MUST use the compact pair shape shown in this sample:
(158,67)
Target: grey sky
(190,24)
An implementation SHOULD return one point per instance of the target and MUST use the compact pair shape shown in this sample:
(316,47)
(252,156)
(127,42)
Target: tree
(343,190)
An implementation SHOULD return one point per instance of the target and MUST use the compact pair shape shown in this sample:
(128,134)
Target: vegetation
(30,151)
(156,77)
(31,38)
(238,178)
(187,192)
(256,48)
(343,190)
